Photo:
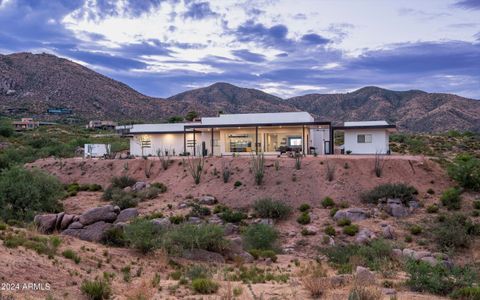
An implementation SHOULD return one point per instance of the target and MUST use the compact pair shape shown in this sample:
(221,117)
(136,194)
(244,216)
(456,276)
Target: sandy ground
(310,186)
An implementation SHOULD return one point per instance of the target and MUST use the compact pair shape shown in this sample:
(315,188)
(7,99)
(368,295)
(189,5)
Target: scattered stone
(235,250)
(388,232)
(75,225)
(395,208)
(264,221)
(292,234)
(421,254)
(230,229)
(194,220)
(354,214)
(206,200)
(215,219)
(430,260)
(105,213)
(45,223)
(139,185)
(182,205)
(128,189)
(364,236)
(364,276)
(389,292)
(397,253)
(126,215)
(408,252)
(340,280)
(66,221)
(203,255)
(91,233)
(310,230)
(161,223)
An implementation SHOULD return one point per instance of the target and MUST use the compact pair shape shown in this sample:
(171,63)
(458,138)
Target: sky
(284,47)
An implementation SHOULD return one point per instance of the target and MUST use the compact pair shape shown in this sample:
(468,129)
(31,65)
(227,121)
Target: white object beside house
(367,137)
(96,150)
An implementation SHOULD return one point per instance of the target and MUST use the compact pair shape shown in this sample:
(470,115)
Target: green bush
(304,207)
(268,208)
(476,204)
(123,199)
(114,237)
(94,187)
(237,183)
(344,222)
(333,211)
(437,279)
(466,293)
(408,239)
(260,236)
(430,191)
(25,193)
(122,181)
(465,169)
(231,216)
(199,211)
(96,289)
(197,271)
(205,286)
(390,190)
(415,229)
(350,229)
(208,237)
(177,219)
(432,209)
(451,199)
(143,235)
(304,218)
(160,186)
(148,193)
(453,232)
(6,128)
(70,254)
(259,253)
(328,202)
(329,230)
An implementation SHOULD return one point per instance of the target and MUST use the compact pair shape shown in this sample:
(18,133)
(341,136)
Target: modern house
(227,134)
(101,124)
(25,124)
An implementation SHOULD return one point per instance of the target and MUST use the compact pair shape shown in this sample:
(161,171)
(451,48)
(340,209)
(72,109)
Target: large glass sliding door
(240,143)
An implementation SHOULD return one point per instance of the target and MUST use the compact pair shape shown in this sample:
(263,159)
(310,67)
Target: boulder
(92,233)
(206,200)
(203,255)
(421,254)
(364,276)
(139,185)
(395,208)
(66,221)
(340,280)
(397,253)
(310,230)
(230,229)
(388,232)
(45,223)
(365,236)
(235,250)
(215,219)
(408,253)
(104,213)
(429,260)
(182,205)
(126,215)
(75,225)
(161,223)
(194,220)
(264,221)
(354,214)
(58,222)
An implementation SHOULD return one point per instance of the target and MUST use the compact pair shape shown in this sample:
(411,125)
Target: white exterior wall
(379,144)
(95,150)
(161,141)
(318,136)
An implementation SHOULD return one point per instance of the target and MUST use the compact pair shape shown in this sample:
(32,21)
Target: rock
(364,276)
(45,223)
(206,200)
(92,233)
(364,236)
(161,223)
(353,214)
(292,234)
(75,225)
(194,220)
(395,208)
(413,204)
(215,219)
(389,292)
(139,185)
(311,230)
(230,229)
(388,232)
(105,213)
(264,221)
(182,205)
(123,156)
(128,189)
(120,225)
(340,280)
(330,242)
(66,221)
(234,250)
(397,253)
(408,252)
(430,260)
(58,222)
(421,254)
(126,215)
(203,255)
(116,209)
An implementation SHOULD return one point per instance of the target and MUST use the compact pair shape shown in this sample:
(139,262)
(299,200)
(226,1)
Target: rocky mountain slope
(32,83)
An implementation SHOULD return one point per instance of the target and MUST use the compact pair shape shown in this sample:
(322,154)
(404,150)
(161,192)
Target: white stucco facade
(378,143)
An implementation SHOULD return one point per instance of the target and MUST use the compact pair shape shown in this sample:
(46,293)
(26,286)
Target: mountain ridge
(32,83)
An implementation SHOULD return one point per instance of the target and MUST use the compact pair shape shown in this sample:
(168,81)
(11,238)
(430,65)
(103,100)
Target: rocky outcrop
(364,276)
(45,223)
(203,255)
(161,223)
(388,232)
(127,215)
(365,236)
(354,214)
(206,200)
(425,256)
(234,251)
(107,213)
(91,233)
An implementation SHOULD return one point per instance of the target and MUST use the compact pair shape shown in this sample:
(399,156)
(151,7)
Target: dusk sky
(284,47)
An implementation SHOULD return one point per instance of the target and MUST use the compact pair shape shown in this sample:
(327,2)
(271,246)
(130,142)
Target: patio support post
(212,142)
(194,144)
(303,140)
(332,140)
(256,140)
(184,141)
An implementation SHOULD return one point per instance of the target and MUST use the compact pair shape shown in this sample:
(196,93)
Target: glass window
(295,141)
(364,138)
(240,143)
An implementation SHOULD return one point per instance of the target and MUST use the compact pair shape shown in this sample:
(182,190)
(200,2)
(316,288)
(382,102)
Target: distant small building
(96,150)
(97,124)
(59,111)
(25,124)
(367,137)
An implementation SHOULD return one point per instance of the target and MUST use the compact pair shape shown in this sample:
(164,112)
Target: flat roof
(259,118)
(159,128)
(364,123)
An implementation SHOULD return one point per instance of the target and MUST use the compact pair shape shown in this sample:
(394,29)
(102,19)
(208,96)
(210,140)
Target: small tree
(258,168)
(143,235)
(298,161)
(260,236)
(194,167)
(164,157)
(191,115)
(465,169)
(380,161)
(225,172)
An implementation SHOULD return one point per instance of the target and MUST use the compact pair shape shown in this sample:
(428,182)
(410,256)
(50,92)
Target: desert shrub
(298,161)
(197,271)
(314,280)
(232,216)
(259,253)
(430,191)
(258,168)
(122,181)
(304,207)
(153,215)
(328,202)
(350,229)
(329,170)
(453,232)
(451,199)
(205,286)
(415,229)
(162,188)
(123,199)
(390,190)
(208,237)
(177,219)
(408,239)
(344,222)
(237,183)
(114,237)
(6,128)
(25,193)
(96,289)
(254,275)
(437,279)
(142,235)
(476,204)
(194,167)
(364,293)
(333,211)
(375,255)
(148,193)
(260,236)
(329,230)
(432,209)
(3,226)
(70,254)
(466,293)
(226,172)
(304,218)
(199,211)
(465,169)
(268,208)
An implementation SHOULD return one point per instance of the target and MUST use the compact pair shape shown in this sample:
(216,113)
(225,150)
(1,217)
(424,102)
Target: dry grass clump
(314,280)
(364,293)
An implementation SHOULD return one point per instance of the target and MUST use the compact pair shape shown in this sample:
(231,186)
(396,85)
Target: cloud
(249,56)
(275,36)
(100,9)
(313,38)
(105,60)
(198,11)
(468,4)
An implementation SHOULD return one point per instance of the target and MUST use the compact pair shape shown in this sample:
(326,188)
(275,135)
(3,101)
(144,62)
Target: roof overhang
(387,127)
(257,125)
